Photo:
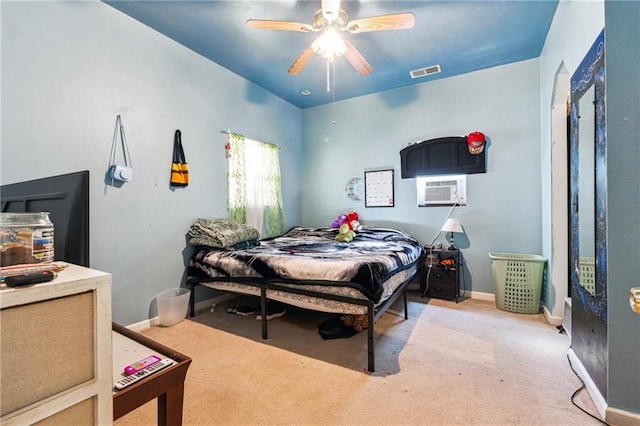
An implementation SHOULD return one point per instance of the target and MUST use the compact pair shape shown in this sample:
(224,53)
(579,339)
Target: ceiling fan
(329,21)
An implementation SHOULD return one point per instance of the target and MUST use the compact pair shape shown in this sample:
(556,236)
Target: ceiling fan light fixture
(327,21)
(329,45)
(330,9)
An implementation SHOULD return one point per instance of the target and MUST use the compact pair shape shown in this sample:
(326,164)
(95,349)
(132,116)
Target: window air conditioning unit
(442,191)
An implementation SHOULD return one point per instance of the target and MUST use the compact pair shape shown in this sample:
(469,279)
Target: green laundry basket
(517,281)
(587,273)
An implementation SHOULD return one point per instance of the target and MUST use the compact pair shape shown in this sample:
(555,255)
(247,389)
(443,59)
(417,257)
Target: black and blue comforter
(313,256)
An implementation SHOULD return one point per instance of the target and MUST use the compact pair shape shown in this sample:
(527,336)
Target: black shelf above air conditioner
(441,156)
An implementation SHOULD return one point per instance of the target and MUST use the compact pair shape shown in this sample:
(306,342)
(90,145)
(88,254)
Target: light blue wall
(503,211)
(68,68)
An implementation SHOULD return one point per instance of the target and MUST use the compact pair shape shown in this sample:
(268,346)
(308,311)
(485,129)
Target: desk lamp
(452,226)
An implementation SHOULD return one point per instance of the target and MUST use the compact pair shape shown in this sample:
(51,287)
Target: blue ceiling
(460,36)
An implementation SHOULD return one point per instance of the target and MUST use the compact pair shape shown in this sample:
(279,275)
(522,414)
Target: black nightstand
(441,273)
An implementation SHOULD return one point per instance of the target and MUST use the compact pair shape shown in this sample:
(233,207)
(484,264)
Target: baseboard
(553,320)
(618,417)
(566,316)
(596,396)
(142,325)
(210,304)
(489,297)
(204,305)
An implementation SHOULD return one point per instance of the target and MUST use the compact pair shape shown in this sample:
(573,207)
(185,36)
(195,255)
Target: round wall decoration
(351,188)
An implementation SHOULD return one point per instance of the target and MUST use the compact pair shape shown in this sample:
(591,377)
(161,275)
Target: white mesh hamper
(517,281)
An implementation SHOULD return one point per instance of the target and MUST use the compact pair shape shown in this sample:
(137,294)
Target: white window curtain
(254,185)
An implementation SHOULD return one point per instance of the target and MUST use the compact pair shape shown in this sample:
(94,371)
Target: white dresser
(55,350)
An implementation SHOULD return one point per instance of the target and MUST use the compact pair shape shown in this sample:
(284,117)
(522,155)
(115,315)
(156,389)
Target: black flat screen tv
(66,198)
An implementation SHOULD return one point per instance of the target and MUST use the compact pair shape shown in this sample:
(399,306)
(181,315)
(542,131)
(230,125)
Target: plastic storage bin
(173,305)
(26,238)
(517,281)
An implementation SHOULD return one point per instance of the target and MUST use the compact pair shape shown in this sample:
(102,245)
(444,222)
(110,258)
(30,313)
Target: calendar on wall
(378,188)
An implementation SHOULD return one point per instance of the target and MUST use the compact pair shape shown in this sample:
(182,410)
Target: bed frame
(373,312)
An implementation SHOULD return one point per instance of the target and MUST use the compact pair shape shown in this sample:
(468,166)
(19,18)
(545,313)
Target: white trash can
(173,306)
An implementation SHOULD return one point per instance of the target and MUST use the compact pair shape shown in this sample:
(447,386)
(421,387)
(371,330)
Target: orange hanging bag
(179,166)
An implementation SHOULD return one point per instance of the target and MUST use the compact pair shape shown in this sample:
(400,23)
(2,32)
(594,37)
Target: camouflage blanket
(220,233)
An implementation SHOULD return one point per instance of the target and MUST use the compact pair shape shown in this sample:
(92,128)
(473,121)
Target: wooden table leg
(170,407)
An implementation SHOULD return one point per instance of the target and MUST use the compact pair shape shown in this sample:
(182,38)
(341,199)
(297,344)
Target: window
(254,189)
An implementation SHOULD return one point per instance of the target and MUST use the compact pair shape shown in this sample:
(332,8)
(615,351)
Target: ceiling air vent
(423,72)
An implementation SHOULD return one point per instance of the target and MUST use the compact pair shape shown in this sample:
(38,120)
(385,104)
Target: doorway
(559,271)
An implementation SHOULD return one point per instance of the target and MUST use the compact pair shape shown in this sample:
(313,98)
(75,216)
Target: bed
(308,268)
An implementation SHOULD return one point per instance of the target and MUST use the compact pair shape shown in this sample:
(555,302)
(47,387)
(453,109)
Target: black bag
(335,328)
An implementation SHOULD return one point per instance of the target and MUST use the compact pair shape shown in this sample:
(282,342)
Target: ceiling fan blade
(397,21)
(356,59)
(302,61)
(264,24)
